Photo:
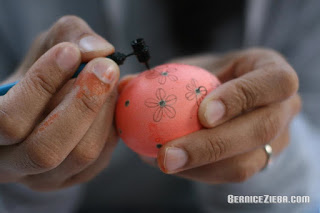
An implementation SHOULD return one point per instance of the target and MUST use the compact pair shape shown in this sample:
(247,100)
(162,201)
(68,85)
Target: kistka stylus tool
(140,50)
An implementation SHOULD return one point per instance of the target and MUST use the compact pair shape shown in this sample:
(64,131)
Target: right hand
(56,132)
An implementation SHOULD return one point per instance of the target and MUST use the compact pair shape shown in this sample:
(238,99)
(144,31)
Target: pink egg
(161,104)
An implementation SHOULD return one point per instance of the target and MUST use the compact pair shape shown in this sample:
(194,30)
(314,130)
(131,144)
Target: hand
(56,132)
(253,107)
(66,29)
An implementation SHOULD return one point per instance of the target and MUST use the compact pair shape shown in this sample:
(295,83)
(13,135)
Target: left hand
(56,132)
(253,107)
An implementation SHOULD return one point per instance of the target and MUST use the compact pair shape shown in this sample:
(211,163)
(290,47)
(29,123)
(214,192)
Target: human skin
(53,130)
(56,132)
(253,107)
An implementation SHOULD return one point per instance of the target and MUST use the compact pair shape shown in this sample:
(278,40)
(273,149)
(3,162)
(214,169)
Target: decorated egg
(160,105)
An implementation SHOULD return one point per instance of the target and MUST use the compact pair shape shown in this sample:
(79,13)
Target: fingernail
(174,159)
(105,72)
(215,110)
(93,43)
(67,58)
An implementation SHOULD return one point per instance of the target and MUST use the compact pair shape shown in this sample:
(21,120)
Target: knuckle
(41,158)
(89,103)
(215,148)
(42,83)
(246,95)
(264,57)
(85,157)
(266,129)
(11,130)
(285,75)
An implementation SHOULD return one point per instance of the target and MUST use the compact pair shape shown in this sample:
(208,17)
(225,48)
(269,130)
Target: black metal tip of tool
(118,57)
(141,50)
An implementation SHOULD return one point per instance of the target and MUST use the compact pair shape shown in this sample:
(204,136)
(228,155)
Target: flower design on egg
(162,73)
(163,105)
(195,92)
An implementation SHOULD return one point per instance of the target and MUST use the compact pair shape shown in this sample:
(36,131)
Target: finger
(207,174)
(242,134)
(124,81)
(101,163)
(238,168)
(58,97)
(78,161)
(86,151)
(50,143)
(99,136)
(77,31)
(83,176)
(22,106)
(69,29)
(66,88)
(258,84)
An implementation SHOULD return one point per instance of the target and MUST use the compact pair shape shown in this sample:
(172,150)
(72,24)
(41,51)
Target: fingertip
(114,66)
(172,159)
(92,43)
(93,46)
(68,56)
(106,70)
(210,112)
(201,113)
(96,82)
